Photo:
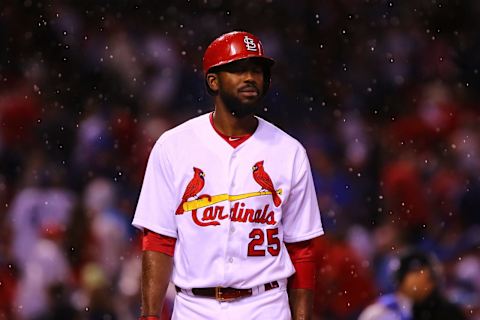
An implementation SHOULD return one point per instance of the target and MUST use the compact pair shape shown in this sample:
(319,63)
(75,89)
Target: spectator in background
(47,266)
(8,270)
(344,284)
(108,226)
(417,294)
(436,307)
(39,215)
(59,304)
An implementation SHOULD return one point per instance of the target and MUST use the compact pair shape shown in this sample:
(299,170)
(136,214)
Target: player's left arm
(302,283)
(301,222)
(301,303)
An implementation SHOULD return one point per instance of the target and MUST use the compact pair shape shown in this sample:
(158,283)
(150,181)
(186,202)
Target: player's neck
(231,126)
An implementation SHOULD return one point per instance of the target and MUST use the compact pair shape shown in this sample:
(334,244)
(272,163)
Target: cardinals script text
(211,216)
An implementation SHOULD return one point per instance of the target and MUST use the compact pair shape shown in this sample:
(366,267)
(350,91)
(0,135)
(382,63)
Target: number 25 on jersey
(256,247)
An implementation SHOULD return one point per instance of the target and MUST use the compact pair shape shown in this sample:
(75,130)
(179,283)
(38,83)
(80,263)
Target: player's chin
(246,110)
(249,101)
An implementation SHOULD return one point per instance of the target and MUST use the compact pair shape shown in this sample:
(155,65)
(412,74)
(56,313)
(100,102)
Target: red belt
(227,294)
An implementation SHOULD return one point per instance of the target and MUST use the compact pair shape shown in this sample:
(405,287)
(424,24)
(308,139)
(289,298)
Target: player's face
(240,86)
(418,284)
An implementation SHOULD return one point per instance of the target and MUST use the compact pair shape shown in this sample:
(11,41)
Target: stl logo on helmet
(250,44)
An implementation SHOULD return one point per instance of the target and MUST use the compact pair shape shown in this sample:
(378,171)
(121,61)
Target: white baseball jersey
(230,209)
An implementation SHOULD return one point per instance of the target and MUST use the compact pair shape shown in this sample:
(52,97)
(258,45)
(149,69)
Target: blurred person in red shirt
(8,271)
(344,285)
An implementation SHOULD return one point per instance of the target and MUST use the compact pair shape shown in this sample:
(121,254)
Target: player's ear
(212,81)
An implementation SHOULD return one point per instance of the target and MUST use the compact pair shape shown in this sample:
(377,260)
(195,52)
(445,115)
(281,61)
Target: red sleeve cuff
(304,277)
(158,242)
(303,259)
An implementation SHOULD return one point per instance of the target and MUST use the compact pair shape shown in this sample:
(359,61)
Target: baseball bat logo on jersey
(211,215)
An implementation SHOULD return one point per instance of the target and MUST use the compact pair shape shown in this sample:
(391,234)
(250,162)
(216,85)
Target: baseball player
(228,206)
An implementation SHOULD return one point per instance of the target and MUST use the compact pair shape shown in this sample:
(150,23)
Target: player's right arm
(156,271)
(155,216)
(157,264)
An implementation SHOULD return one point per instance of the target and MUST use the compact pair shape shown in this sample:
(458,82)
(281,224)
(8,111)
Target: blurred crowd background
(384,95)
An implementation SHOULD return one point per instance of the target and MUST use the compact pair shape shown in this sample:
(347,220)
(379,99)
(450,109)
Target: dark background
(383,94)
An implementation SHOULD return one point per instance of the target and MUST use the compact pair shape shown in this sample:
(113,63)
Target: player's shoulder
(275,136)
(185,129)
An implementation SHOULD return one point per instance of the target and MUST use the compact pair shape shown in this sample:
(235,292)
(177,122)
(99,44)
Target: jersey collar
(233,141)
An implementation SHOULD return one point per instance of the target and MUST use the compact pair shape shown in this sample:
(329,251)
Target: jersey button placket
(230,252)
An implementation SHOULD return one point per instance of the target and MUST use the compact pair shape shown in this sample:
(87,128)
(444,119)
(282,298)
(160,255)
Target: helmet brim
(268,62)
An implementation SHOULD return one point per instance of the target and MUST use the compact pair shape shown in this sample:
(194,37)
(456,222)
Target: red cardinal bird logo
(263,179)
(193,188)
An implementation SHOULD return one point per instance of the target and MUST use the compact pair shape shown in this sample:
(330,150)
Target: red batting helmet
(231,47)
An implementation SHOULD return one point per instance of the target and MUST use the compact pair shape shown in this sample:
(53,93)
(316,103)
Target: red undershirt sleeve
(301,254)
(158,242)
